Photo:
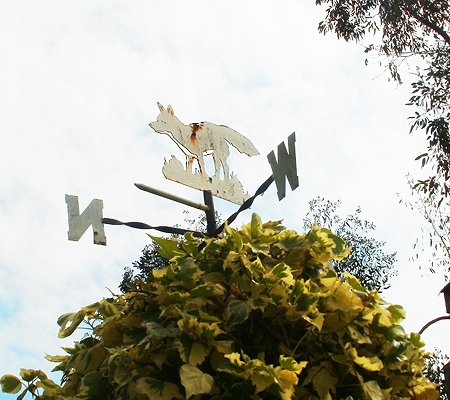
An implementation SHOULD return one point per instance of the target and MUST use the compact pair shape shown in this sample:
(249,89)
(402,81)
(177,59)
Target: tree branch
(440,31)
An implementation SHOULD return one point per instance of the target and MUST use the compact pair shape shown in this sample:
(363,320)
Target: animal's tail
(239,141)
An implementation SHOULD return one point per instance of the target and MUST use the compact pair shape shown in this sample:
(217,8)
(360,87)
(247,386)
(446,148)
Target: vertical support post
(446,370)
(211,225)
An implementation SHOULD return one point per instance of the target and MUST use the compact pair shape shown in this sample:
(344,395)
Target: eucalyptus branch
(437,29)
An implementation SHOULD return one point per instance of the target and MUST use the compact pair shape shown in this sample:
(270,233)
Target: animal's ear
(160,106)
(170,110)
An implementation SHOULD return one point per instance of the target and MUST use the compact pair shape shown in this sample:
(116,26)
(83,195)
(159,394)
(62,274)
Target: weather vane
(197,141)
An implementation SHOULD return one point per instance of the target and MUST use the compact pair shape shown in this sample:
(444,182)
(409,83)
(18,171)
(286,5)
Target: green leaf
(195,381)
(50,387)
(29,374)
(372,390)
(368,363)
(322,380)
(207,317)
(190,245)
(416,340)
(354,282)
(168,247)
(236,237)
(208,289)
(69,322)
(10,384)
(397,312)
(154,389)
(198,354)
(283,272)
(188,270)
(291,365)
(158,331)
(395,332)
(56,358)
(237,312)
(256,227)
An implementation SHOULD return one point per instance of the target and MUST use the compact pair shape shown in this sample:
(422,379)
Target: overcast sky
(79,83)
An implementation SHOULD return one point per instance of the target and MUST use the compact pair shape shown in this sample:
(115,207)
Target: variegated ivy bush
(255,314)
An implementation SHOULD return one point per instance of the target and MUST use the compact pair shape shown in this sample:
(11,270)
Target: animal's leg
(223,160)
(226,169)
(201,163)
(189,162)
(216,165)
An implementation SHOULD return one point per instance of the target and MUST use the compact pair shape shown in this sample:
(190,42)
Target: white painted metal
(194,140)
(92,215)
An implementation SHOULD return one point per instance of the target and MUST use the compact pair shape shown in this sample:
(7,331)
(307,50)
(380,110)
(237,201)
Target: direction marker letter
(92,215)
(286,167)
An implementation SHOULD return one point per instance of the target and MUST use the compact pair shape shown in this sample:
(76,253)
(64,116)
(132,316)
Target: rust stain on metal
(195,127)
(190,162)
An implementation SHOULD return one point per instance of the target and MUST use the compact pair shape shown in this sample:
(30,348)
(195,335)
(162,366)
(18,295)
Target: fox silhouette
(200,137)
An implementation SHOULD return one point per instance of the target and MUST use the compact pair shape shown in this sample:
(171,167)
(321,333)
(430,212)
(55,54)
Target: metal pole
(432,322)
(172,197)
(211,225)
(446,369)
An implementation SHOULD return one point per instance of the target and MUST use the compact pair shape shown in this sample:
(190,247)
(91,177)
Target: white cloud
(79,83)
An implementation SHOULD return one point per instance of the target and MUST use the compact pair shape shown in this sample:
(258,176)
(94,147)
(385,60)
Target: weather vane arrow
(195,140)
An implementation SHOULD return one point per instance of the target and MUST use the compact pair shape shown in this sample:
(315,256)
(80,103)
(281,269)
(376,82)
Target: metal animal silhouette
(198,138)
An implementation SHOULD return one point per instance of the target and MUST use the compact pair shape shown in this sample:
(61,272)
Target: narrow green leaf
(256,228)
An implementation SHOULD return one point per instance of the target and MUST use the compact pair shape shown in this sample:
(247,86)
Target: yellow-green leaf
(287,381)
(235,359)
(397,312)
(291,365)
(256,226)
(69,322)
(425,390)
(29,374)
(261,377)
(208,289)
(368,363)
(198,354)
(282,272)
(345,299)
(50,387)
(157,390)
(322,379)
(372,390)
(237,312)
(168,247)
(195,381)
(10,384)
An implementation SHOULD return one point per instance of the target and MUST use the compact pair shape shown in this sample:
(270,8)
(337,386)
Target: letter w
(92,215)
(286,167)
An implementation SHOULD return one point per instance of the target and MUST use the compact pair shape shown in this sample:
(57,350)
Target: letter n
(286,167)
(92,215)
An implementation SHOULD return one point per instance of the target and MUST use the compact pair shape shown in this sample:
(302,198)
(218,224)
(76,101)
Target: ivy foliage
(256,314)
